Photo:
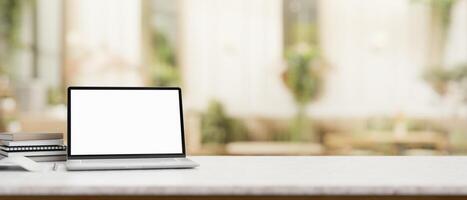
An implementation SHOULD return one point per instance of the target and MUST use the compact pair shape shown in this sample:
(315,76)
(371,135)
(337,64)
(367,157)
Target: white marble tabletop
(227,175)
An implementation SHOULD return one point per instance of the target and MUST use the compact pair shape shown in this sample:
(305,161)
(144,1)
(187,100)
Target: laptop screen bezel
(100,156)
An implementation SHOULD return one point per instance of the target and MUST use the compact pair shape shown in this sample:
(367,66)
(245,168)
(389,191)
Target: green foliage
(444,8)
(304,32)
(10,28)
(440,78)
(459,73)
(303,75)
(3,69)
(303,78)
(10,20)
(218,128)
(441,9)
(440,17)
(164,72)
(165,75)
(55,96)
(164,51)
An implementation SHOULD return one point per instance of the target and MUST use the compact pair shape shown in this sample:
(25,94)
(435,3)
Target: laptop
(125,128)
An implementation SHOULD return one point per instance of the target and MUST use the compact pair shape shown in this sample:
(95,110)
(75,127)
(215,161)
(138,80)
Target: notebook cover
(30,136)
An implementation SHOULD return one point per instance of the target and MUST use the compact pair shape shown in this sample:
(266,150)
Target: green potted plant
(441,79)
(445,79)
(438,75)
(218,129)
(303,78)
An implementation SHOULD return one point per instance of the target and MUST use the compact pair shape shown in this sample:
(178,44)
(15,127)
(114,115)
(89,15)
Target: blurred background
(259,77)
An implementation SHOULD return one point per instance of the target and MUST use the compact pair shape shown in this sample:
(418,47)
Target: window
(161,43)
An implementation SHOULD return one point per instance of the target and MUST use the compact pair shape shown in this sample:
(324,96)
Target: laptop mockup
(125,128)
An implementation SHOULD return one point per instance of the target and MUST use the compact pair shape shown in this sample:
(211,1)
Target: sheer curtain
(232,51)
(103,41)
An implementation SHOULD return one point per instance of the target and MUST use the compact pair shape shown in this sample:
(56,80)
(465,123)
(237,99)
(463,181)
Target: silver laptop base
(133,163)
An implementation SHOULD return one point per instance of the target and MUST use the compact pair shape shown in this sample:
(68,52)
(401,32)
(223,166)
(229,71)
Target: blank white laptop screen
(125,122)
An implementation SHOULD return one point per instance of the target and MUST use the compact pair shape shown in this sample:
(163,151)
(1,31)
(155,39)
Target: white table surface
(257,176)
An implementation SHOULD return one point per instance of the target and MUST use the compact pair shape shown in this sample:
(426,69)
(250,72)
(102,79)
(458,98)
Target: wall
(376,50)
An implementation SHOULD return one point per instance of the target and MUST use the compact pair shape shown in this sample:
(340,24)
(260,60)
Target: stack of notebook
(37,146)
